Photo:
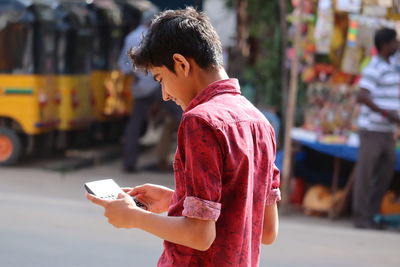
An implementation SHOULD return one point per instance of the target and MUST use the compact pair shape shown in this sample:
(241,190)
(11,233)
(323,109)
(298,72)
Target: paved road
(46,221)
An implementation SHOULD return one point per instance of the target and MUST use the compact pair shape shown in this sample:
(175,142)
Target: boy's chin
(178,104)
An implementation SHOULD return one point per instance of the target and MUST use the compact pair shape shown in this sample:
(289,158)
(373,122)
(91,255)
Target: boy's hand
(157,198)
(121,213)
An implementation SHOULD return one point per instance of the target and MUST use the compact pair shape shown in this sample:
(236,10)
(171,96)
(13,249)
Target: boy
(226,183)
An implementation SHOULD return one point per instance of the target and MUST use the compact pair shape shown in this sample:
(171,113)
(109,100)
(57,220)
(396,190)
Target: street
(46,221)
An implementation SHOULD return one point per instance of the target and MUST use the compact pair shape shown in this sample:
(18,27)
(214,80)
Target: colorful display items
(342,38)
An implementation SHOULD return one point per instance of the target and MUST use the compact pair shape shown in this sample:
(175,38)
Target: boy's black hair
(186,32)
(384,36)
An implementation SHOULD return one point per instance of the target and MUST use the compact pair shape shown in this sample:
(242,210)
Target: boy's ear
(182,65)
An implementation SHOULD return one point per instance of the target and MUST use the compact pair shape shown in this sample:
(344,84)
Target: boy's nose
(165,96)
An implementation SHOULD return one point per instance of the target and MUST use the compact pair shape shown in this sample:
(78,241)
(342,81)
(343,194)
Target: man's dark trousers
(374,171)
(136,123)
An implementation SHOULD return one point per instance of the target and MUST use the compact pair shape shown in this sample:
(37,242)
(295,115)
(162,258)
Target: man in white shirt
(379,96)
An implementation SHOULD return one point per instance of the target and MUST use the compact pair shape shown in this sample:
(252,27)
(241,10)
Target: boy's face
(394,45)
(174,86)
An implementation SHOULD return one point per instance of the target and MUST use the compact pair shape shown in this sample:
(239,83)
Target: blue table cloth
(341,151)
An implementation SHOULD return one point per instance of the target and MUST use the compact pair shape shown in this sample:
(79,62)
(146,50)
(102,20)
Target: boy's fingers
(139,196)
(97,200)
(127,189)
(123,195)
(137,190)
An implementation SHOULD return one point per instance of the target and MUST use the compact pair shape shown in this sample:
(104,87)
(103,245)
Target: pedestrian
(146,94)
(378,120)
(224,204)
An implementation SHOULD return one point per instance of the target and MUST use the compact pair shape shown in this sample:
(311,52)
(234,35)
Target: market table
(339,152)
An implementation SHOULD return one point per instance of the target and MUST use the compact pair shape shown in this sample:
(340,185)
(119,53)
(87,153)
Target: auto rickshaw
(73,45)
(28,100)
(112,99)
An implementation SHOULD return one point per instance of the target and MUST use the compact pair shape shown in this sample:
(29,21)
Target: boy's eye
(156,78)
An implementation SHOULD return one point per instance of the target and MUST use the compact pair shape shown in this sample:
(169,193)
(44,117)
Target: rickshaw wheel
(10,147)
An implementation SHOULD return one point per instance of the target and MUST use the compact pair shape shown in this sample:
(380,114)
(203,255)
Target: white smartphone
(108,189)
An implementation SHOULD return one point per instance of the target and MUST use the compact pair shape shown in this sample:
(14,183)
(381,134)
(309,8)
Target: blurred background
(66,103)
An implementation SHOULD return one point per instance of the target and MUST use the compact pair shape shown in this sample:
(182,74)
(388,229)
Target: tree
(260,49)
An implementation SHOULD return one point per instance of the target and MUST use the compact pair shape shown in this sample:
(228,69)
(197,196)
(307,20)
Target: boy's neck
(204,78)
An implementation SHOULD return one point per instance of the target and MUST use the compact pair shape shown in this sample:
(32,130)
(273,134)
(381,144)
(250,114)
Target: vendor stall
(335,44)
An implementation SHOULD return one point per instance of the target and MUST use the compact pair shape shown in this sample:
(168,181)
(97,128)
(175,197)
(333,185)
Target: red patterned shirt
(224,171)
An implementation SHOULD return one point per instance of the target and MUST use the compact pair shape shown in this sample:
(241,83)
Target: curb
(78,159)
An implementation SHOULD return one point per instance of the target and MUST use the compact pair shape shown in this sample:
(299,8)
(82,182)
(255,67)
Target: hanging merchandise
(396,6)
(370,2)
(353,6)
(385,3)
(394,11)
(338,39)
(375,11)
(324,27)
(353,53)
(366,30)
(331,109)
(352,32)
(334,49)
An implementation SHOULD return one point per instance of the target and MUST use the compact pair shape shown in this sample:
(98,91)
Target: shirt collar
(381,59)
(218,87)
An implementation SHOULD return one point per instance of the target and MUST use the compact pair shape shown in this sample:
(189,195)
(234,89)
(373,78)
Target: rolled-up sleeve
(202,164)
(197,208)
(274,194)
